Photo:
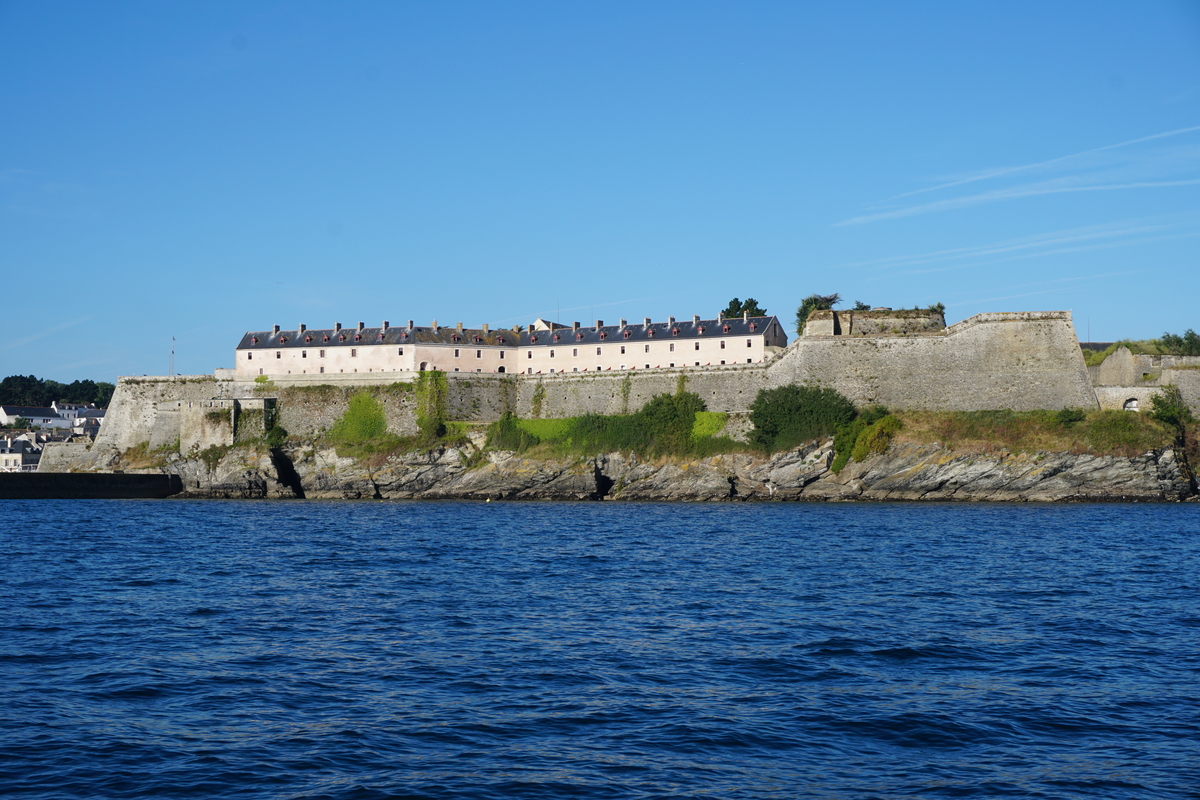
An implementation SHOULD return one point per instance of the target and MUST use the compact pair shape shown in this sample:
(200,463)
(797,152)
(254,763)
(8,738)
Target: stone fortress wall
(1020,361)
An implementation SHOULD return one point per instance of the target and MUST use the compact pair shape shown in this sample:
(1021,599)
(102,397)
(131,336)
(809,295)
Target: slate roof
(28,411)
(475,337)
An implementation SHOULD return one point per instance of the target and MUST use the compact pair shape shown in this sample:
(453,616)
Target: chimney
(623,324)
(720,316)
(361,326)
(410,324)
(646,322)
(670,320)
(485,327)
(434,326)
(337,326)
(275,329)
(599,324)
(516,328)
(459,327)
(745,316)
(385,325)
(695,319)
(303,327)
(575,326)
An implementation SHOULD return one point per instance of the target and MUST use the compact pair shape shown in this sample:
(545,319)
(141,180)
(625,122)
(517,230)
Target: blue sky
(199,170)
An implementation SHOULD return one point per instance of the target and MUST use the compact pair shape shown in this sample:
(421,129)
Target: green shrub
(1069,416)
(362,421)
(708,424)
(1124,433)
(790,415)
(847,436)
(875,438)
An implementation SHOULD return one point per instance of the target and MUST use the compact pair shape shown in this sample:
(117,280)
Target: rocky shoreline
(903,472)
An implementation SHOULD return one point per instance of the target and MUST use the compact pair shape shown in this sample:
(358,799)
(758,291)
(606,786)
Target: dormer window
(253,340)
(603,334)
(700,329)
(753,326)
(380,336)
(627,332)
(674,331)
(325,338)
(341,337)
(478,339)
(455,338)
(532,340)
(403,337)
(650,333)
(578,337)
(500,340)
(282,339)
(358,337)
(725,328)
(307,338)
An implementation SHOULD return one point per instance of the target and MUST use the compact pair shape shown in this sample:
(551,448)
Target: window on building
(697,345)
(400,353)
(529,354)
(304,354)
(322,369)
(456,352)
(749,360)
(672,363)
(749,343)
(249,356)
(722,345)
(354,354)
(622,352)
(478,354)
(647,348)
(322,354)
(597,351)
(501,354)
(552,354)
(574,352)
(278,354)
(672,347)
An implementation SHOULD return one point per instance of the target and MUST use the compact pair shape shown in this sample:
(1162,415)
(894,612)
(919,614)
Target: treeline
(29,390)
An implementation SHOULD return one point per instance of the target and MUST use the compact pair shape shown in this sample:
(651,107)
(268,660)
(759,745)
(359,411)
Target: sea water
(493,650)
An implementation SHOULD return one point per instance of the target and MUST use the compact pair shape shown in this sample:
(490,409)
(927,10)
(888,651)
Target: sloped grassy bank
(799,442)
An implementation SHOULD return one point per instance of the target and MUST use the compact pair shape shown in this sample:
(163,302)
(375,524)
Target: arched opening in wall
(501,369)
(1131,404)
(424,366)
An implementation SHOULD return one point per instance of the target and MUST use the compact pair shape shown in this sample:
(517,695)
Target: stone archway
(500,370)
(1131,404)
(424,366)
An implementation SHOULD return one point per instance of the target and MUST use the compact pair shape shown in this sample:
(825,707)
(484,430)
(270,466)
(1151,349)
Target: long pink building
(542,347)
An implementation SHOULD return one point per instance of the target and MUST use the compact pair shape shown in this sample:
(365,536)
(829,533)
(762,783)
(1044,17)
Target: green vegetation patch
(1118,433)
(668,425)
(708,424)
(791,415)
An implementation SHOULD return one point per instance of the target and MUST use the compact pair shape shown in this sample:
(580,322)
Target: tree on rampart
(736,308)
(1186,345)
(814,302)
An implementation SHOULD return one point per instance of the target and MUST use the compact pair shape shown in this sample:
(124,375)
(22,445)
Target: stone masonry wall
(1021,361)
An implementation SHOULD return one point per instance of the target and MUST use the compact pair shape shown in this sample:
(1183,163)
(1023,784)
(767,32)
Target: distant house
(37,416)
(19,455)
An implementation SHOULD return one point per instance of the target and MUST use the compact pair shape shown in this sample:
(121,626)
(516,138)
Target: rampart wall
(1019,361)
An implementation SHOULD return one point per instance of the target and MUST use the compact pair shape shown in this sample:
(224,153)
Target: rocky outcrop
(903,472)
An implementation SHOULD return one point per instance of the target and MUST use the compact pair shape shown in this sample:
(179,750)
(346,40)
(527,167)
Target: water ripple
(465,650)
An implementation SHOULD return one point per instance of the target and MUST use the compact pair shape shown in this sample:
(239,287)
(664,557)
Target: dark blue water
(444,650)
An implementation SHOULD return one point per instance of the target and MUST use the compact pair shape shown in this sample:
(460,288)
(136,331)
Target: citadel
(903,359)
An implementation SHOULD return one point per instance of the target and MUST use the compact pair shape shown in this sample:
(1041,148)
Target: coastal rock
(902,472)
